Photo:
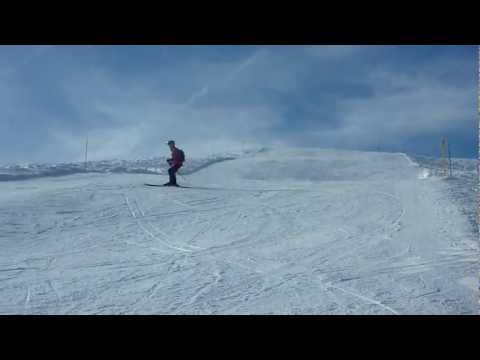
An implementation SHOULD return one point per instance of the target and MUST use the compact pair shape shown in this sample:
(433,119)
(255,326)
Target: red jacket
(176,158)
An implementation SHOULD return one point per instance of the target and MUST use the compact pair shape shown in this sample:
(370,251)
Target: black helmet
(171,142)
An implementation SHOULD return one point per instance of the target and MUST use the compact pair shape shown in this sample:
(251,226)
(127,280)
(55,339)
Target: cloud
(33,52)
(213,98)
(119,143)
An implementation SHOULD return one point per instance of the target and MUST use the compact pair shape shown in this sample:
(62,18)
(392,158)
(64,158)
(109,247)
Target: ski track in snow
(149,233)
(364,235)
(368,300)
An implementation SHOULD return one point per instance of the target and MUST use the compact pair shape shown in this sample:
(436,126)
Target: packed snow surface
(279,231)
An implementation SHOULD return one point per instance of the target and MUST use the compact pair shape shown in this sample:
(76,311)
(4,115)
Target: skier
(175,162)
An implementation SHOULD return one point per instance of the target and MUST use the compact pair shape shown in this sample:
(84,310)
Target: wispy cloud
(227,79)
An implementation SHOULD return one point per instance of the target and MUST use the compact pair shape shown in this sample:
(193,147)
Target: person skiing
(175,162)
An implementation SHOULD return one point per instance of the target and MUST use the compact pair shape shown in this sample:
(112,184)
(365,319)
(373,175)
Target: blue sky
(131,99)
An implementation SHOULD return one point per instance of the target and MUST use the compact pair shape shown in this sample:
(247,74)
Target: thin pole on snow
(86,153)
(450,162)
(444,156)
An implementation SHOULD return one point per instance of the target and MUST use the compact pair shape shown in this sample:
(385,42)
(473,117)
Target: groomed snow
(281,231)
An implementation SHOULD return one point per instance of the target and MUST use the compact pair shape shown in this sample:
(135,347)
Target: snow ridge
(155,166)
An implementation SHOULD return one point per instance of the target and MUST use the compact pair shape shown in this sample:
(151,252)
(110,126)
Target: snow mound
(424,174)
(312,165)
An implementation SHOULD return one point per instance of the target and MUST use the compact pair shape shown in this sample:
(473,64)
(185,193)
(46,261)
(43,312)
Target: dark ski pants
(171,173)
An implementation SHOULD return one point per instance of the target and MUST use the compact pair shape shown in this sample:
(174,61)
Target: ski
(158,185)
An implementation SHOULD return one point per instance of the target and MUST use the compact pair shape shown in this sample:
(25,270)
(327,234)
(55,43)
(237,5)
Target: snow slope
(282,231)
